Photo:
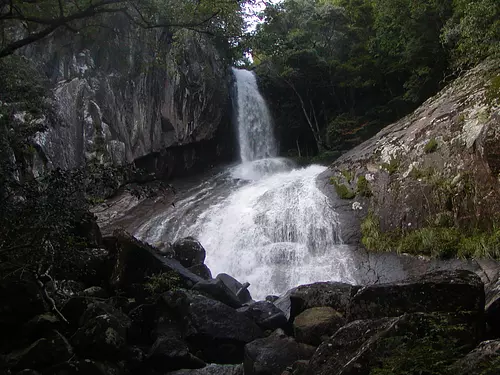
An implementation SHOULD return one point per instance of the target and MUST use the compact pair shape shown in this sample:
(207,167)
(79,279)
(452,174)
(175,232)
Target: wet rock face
(441,161)
(115,104)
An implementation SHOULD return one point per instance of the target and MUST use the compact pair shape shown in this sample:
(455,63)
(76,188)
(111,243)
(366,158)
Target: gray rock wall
(121,96)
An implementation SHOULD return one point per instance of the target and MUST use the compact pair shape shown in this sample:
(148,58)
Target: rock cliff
(121,96)
(437,167)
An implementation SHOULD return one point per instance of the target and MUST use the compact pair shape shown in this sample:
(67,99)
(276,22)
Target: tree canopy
(336,71)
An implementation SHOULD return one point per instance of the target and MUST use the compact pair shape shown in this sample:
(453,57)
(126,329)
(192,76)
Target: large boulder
(313,326)
(330,294)
(138,260)
(214,331)
(411,344)
(171,353)
(445,291)
(212,369)
(265,314)
(103,332)
(484,360)
(219,291)
(42,353)
(273,354)
(189,252)
(236,287)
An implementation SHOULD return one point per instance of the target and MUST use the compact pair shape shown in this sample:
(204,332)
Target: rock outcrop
(140,97)
(438,166)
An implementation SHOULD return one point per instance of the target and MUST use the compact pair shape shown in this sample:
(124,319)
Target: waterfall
(255,130)
(262,221)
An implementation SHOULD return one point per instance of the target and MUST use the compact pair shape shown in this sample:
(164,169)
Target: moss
(422,173)
(434,242)
(163,282)
(372,237)
(493,91)
(393,165)
(341,189)
(348,175)
(363,187)
(431,146)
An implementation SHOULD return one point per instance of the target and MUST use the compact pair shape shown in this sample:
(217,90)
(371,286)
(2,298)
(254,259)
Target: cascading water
(262,221)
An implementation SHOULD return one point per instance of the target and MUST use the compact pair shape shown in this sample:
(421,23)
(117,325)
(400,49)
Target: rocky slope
(119,97)
(128,309)
(437,167)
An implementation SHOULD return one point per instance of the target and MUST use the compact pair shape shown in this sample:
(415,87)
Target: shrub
(363,187)
(393,165)
(431,146)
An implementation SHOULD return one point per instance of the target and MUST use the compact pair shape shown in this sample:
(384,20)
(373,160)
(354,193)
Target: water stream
(262,221)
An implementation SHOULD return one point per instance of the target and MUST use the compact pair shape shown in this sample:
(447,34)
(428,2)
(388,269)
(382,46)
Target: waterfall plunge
(261,221)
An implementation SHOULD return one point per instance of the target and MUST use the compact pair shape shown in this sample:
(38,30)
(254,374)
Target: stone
(103,332)
(426,343)
(271,298)
(445,291)
(317,324)
(87,367)
(189,252)
(273,354)
(137,260)
(201,270)
(40,325)
(143,322)
(214,331)
(236,287)
(212,369)
(42,353)
(95,292)
(484,360)
(74,308)
(171,353)
(218,290)
(265,314)
(324,294)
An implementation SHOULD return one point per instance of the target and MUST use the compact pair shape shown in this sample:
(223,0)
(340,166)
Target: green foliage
(363,187)
(393,165)
(341,189)
(493,91)
(372,237)
(431,146)
(434,242)
(422,174)
(348,175)
(163,282)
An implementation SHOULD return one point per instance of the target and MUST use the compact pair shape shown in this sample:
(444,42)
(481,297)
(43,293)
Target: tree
(23,22)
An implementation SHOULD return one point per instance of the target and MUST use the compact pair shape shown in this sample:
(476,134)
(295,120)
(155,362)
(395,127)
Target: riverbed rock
(189,252)
(323,294)
(445,291)
(138,260)
(273,354)
(212,369)
(42,353)
(201,270)
(219,291)
(265,314)
(236,287)
(315,325)
(214,331)
(484,360)
(427,343)
(170,353)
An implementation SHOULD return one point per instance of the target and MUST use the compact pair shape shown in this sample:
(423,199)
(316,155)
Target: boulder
(40,325)
(143,322)
(416,343)
(219,291)
(74,309)
(189,252)
(201,270)
(103,332)
(484,360)
(324,294)
(273,354)
(94,292)
(138,260)
(445,291)
(170,353)
(42,353)
(239,289)
(212,369)
(315,325)
(87,367)
(214,331)
(265,314)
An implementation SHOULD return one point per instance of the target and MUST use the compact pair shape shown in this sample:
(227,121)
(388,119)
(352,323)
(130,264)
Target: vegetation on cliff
(337,71)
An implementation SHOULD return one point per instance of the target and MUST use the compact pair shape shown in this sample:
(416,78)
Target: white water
(262,221)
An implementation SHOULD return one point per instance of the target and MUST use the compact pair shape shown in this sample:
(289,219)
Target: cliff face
(119,98)
(438,166)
